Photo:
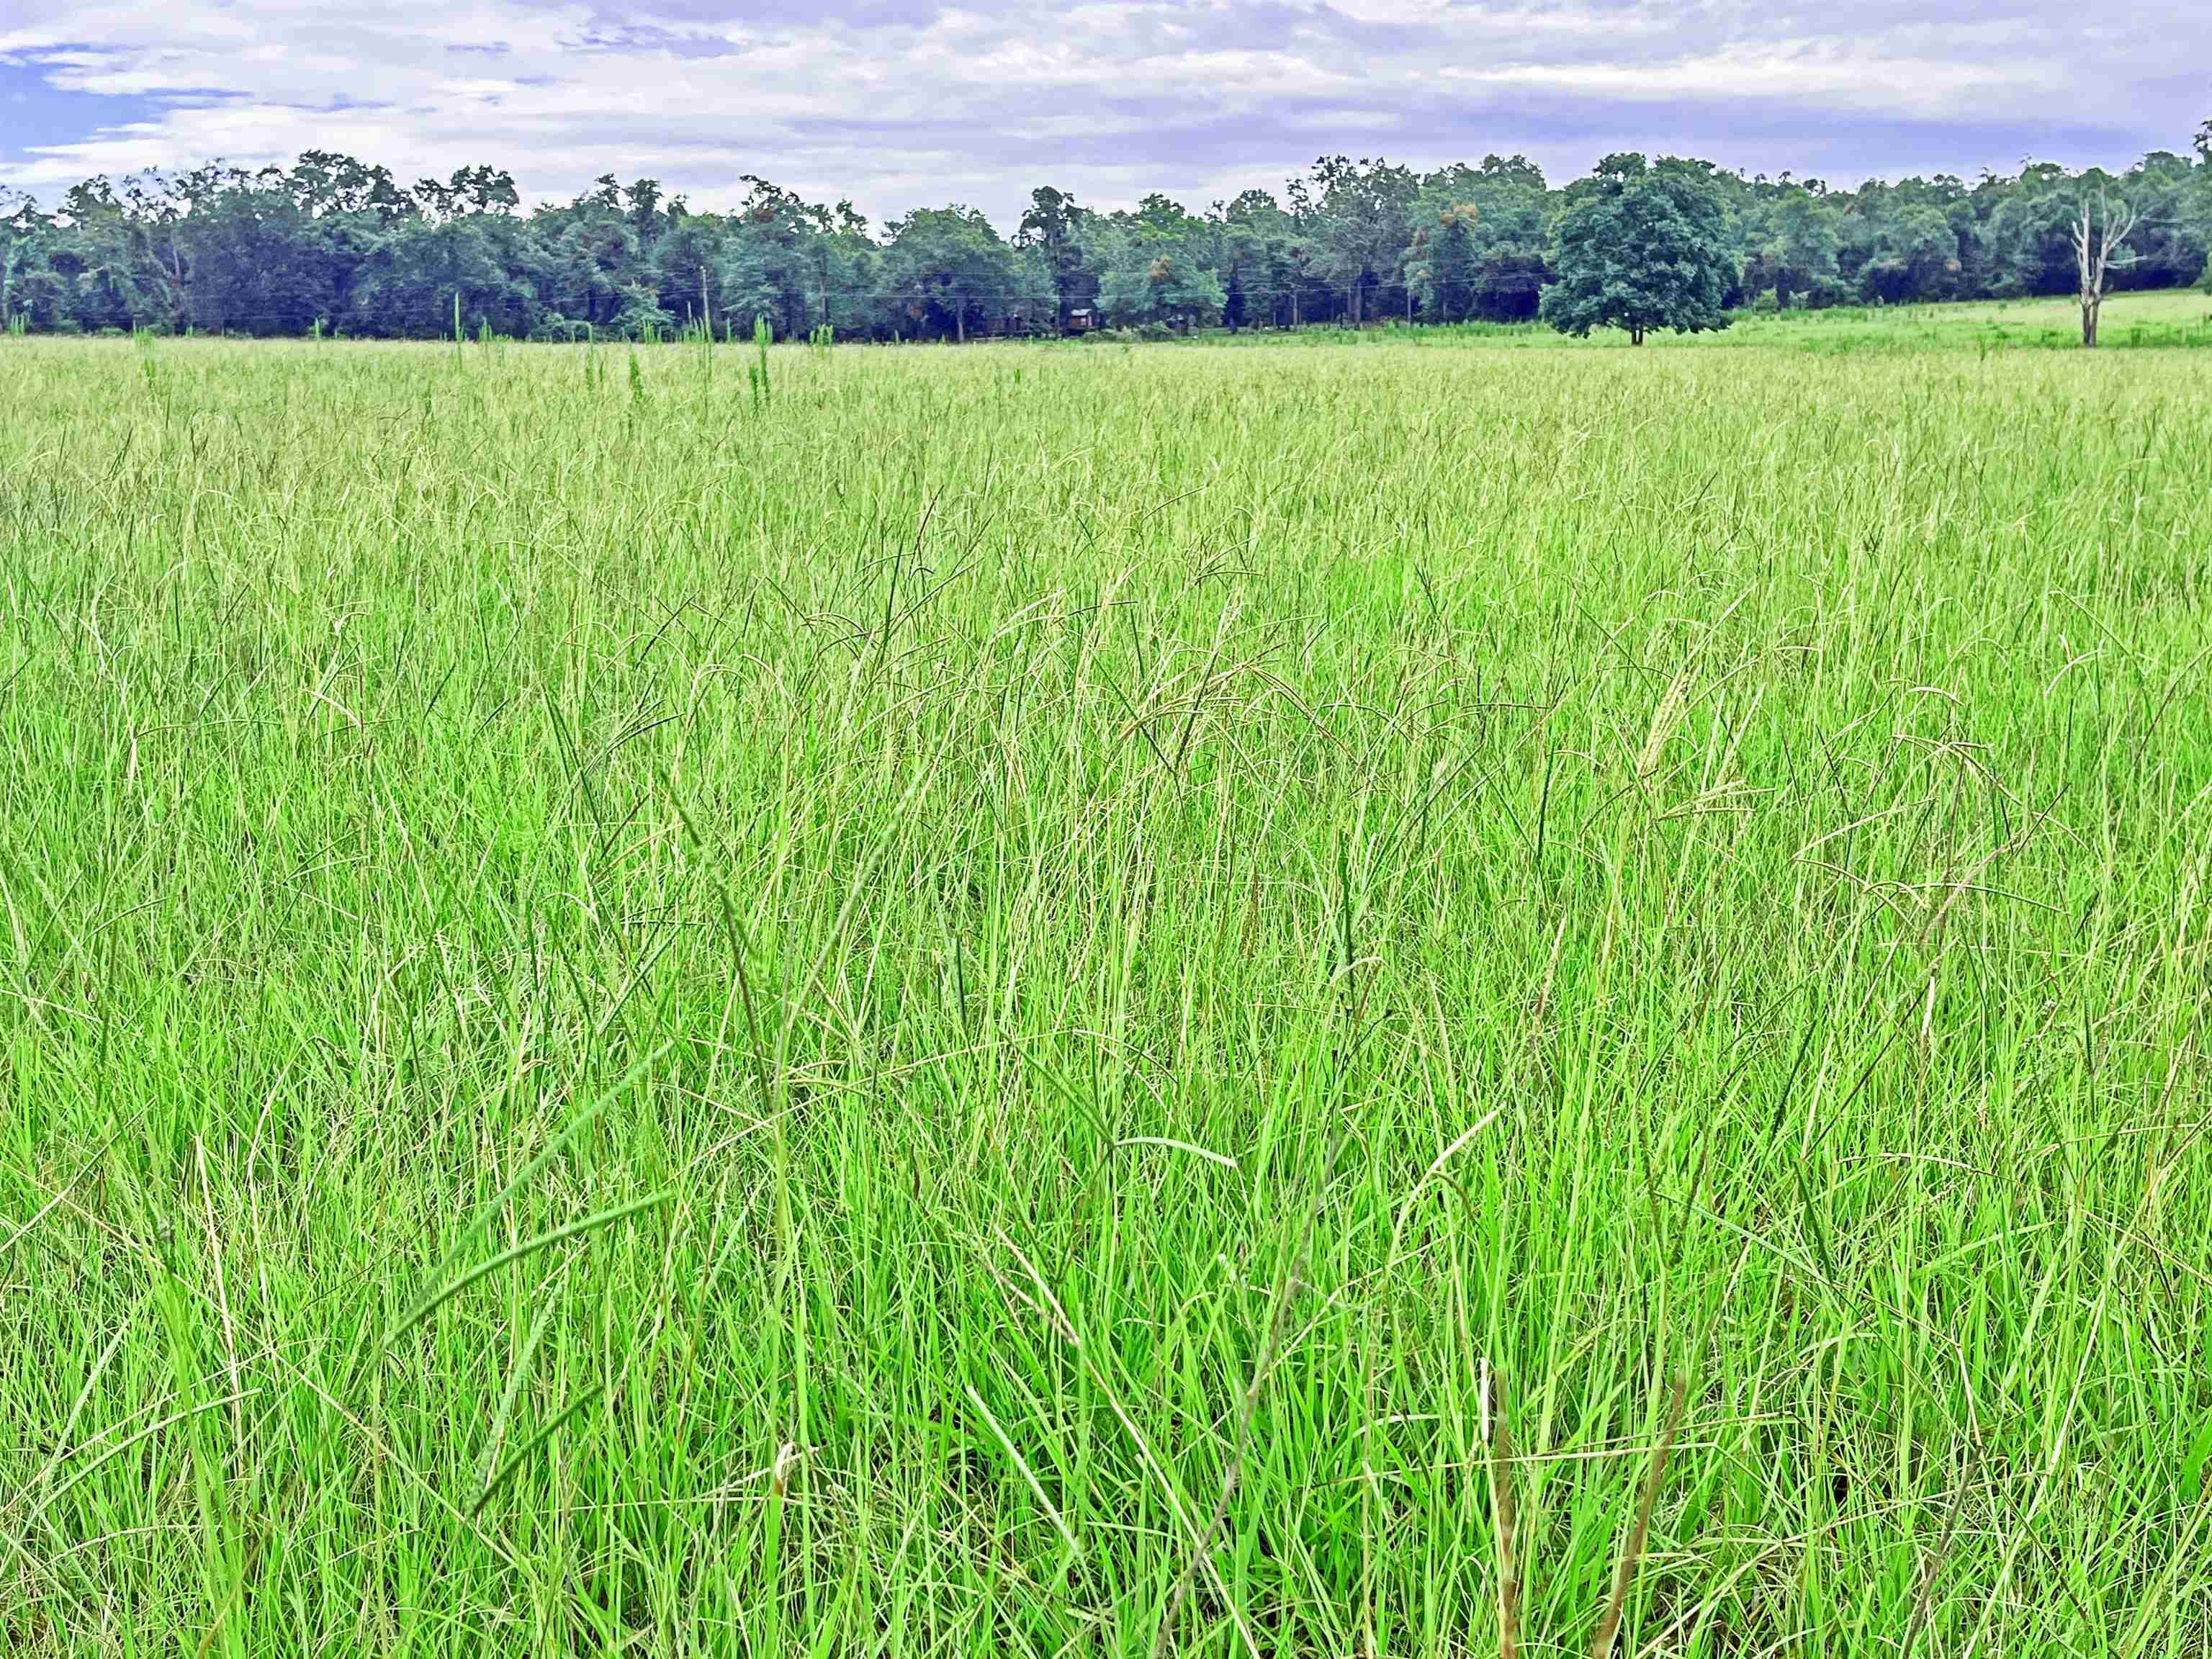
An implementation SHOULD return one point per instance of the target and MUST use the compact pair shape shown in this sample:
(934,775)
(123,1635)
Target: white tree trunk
(2096,246)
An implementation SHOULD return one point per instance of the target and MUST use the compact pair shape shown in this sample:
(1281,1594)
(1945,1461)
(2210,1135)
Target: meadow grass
(1055,1000)
(2159,320)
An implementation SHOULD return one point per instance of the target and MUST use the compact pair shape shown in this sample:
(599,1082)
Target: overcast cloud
(898,104)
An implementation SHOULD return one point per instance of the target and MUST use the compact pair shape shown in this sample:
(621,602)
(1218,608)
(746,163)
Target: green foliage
(2173,236)
(948,272)
(275,250)
(1477,249)
(413,276)
(1358,212)
(756,372)
(1796,239)
(684,1036)
(642,318)
(1056,226)
(2035,223)
(1916,257)
(1442,262)
(1641,247)
(1155,271)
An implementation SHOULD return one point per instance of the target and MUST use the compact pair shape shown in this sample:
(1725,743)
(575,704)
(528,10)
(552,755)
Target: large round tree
(1641,246)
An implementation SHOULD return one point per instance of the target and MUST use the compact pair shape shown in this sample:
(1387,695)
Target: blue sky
(898,104)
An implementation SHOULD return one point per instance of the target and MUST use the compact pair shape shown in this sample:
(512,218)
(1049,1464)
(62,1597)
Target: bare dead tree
(2099,239)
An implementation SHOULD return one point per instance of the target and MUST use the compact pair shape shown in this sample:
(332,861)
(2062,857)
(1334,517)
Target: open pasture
(1065,999)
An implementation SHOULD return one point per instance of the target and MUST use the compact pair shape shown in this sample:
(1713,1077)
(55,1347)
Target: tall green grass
(1048,1001)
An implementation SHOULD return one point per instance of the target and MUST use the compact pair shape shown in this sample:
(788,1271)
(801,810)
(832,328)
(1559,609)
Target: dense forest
(335,245)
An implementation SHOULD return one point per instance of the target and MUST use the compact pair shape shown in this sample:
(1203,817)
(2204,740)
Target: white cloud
(1832,75)
(1111,97)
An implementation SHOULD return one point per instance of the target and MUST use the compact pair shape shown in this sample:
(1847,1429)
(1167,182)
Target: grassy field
(2166,319)
(1059,1000)
(2163,319)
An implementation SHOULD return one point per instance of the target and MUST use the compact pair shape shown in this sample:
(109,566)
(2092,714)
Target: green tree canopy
(336,243)
(1357,215)
(1799,238)
(1055,226)
(1477,248)
(951,272)
(1641,246)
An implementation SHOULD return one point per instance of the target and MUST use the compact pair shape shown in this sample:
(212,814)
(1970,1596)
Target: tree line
(336,246)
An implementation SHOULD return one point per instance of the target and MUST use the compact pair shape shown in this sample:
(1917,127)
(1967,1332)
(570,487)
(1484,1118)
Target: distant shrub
(553,326)
(642,317)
